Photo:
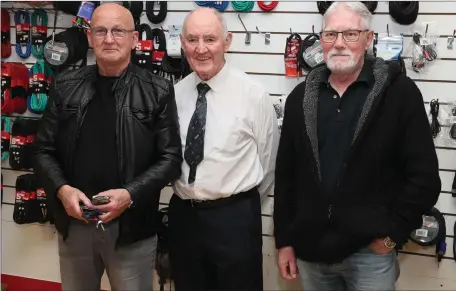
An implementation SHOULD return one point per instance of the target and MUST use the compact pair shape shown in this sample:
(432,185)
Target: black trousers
(216,247)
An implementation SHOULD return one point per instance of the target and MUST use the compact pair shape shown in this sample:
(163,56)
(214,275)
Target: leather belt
(206,204)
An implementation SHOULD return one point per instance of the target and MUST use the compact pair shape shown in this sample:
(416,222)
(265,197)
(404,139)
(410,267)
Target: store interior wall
(31,250)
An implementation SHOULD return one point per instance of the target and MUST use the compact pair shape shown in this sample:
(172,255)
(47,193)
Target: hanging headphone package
(143,53)
(313,55)
(279,107)
(424,46)
(388,46)
(292,68)
(173,44)
(432,232)
(55,52)
(449,125)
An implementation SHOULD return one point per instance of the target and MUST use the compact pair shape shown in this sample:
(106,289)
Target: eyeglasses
(351,35)
(101,32)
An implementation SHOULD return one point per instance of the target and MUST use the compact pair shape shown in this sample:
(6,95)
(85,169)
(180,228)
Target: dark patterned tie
(194,145)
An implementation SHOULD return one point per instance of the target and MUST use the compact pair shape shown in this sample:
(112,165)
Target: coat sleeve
(46,165)
(284,191)
(418,159)
(167,166)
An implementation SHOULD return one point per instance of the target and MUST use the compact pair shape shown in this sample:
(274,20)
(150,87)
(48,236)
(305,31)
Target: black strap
(145,28)
(159,37)
(305,44)
(136,8)
(156,18)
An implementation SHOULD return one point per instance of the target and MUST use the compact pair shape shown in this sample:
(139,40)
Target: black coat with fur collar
(390,179)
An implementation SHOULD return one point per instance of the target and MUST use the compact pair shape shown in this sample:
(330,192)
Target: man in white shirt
(229,138)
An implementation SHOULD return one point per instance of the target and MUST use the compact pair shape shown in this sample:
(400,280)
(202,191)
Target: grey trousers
(89,250)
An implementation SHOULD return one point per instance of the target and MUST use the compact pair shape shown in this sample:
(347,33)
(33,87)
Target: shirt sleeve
(266,134)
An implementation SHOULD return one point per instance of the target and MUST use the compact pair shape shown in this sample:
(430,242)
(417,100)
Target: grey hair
(220,18)
(357,7)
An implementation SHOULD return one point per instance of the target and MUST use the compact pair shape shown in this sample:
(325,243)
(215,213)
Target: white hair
(219,17)
(357,7)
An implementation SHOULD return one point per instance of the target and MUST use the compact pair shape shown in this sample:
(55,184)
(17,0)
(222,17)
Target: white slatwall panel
(265,64)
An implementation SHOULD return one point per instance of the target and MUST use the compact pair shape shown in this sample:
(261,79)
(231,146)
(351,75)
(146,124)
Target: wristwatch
(389,243)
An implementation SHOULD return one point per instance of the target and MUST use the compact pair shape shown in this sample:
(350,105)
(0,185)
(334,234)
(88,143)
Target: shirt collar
(217,81)
(366,75)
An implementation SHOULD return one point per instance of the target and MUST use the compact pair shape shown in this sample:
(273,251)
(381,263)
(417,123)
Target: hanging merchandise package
(84,16)
(173,47)
(424,46)
(389,47)
(313,55)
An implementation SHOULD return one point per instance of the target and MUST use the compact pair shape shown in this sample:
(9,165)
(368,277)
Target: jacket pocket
(142,115)
(365,221)
(143,118)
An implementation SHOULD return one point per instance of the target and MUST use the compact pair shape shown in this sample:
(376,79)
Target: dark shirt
(337,120)
(95,162)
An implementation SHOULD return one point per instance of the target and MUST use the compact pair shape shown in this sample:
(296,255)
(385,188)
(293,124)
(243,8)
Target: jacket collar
(122,81)
(380,75)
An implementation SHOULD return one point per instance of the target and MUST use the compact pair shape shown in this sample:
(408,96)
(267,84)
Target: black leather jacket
(148,142)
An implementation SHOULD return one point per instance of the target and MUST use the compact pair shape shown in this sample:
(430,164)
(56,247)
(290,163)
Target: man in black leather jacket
(112,130)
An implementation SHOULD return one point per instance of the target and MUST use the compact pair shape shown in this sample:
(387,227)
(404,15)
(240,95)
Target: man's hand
(119,201)
(378,246)
(71,198)
(286,261)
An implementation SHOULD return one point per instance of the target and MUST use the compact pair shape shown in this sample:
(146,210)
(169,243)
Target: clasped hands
(71,198)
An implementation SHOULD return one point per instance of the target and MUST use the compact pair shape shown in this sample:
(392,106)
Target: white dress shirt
(241,138)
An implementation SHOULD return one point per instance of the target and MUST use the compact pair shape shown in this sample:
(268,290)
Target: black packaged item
(17,145)
(404,12)
(41,199)
(21,145)
(67,48)
(21,201)
(31,129)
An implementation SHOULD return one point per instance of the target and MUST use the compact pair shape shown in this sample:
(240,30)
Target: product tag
(22,33)
(5,141)
(313,55)
(157,56)
(38,84)
(18,141)
(173,44)
(6,36)
(56,52)
(6,82)
(39,34)
(144,45)
(291,59)
(40,194)
(421,232)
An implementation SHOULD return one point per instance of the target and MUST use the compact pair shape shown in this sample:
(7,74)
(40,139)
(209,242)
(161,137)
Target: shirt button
(335,96)
(338,110)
